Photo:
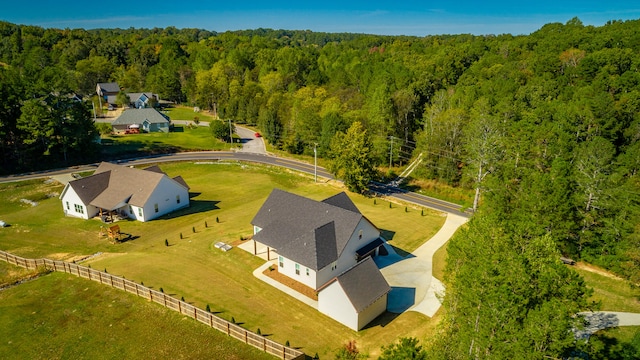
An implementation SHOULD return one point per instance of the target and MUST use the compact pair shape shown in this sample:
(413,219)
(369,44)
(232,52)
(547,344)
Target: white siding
(372,311)
(333,302)
(165,196)
(348,257)
(289,269)
(70,196)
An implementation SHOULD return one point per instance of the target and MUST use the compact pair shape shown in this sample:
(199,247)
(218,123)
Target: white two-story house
(318,243)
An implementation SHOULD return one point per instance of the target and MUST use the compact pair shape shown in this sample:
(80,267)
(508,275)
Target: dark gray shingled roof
(138,116)
(342,200)
(111,87)
(309,232)
(363,284)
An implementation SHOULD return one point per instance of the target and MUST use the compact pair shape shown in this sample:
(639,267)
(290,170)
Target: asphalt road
(381,189)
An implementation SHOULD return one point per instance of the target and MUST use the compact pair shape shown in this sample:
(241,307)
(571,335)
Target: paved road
(385,190)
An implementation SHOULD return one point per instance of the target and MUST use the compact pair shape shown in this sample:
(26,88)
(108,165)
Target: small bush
(205,225)
(193,229)
(217,220)
(180,236)
(233,320)
(182,298)
(162,290)
(208,308)
(287,343)
(259,332)
(166,242)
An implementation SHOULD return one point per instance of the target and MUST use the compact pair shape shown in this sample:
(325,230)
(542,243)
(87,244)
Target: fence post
(246,336)
(228,329)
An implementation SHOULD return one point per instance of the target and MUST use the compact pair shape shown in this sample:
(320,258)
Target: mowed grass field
(60,316)
(183,138)
(193,268)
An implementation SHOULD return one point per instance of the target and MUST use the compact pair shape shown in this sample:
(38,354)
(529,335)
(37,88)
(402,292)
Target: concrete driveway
(250,142)
(413,287)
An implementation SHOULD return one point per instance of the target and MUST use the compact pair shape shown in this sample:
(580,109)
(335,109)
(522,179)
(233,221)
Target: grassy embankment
(194,269)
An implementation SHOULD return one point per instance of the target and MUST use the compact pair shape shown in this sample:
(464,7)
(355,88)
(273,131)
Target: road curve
(382,189)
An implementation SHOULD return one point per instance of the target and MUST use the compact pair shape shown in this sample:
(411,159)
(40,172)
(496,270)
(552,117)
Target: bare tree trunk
(477,197)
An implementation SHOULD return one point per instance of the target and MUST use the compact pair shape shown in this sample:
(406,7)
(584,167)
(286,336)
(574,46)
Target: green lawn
(60,316)
(194,269)
(614,294)
(186,113)
(183,138)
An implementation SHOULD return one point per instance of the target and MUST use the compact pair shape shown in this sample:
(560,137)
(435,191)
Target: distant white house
(146,119)
(325,245)
(137,194)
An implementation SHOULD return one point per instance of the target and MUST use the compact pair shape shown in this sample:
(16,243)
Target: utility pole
(390,152)
(230,132)
(315,162)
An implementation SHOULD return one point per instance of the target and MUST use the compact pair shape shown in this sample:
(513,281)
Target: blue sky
(419,18)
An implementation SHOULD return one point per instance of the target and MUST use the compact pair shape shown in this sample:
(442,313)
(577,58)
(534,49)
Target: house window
(360,235)
(130,210)
(177,199)
(334,266)
(297,269)
(140,212)
(307,271)
(79,208)
(155,207)
(68,206)
(281,261)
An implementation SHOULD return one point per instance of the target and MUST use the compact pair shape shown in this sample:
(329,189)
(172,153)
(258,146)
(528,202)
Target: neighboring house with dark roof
(137,194)
(318,242)
(108,91)
(149,120)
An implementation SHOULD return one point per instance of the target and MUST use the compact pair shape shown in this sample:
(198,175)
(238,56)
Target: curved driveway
(413,286)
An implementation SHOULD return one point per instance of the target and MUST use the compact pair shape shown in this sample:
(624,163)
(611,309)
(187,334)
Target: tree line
(543,127)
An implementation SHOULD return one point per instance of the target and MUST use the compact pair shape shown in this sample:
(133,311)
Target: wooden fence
(231,329)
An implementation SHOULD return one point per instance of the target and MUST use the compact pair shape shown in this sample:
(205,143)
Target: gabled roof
(111,87)
(342,200)
(113,186)
(311,233)
(138,116)
(133,97)
(363,284)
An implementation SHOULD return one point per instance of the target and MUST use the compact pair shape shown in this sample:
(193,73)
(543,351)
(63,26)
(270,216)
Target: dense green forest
(544,128)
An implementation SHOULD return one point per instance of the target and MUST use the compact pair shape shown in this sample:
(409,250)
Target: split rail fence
(184,308)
